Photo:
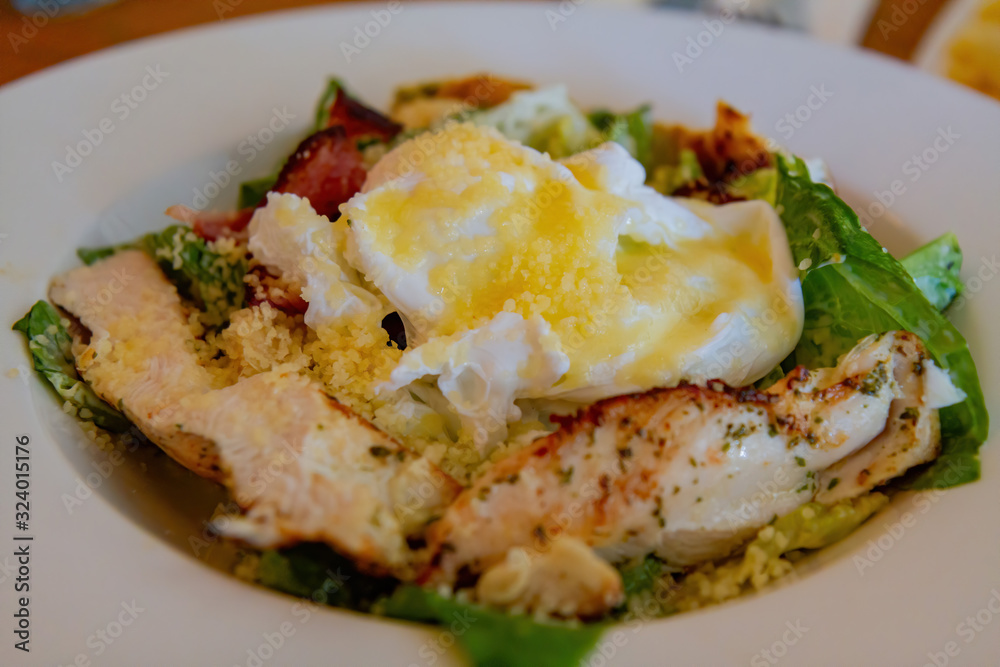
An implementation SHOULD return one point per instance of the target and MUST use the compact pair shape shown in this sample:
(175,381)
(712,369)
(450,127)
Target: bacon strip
(213,225)
(360,121)
(326,168)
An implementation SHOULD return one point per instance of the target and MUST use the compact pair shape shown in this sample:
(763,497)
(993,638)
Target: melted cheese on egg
(635,289)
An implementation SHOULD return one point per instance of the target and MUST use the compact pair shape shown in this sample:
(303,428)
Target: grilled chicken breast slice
(912,433)
(305,468)
(687,473)
(567,580)
(140,354)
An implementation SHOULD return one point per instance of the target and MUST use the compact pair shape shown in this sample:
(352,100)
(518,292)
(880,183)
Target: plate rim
(122,51)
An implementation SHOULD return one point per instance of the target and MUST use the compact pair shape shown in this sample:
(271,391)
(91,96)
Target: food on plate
(974,54)
(681,473)
(499,355)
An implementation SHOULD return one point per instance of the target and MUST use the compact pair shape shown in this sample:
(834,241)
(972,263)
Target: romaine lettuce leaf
(633,130)
(315,571)
(545,119)
(52,358)
(772,376)
(935,268)
(758,184)
(668,178)
(325,103)
(211,279)
(641,576)
(201,273)
(853,287)
(493,638)
(489,637)
(252,192)
(90,255)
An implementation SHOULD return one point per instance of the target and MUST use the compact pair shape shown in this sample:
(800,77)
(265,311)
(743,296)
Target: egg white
(633,289)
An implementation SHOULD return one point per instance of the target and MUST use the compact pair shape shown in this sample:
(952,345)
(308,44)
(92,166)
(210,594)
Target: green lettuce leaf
(52,358)
(935,269)
(90,255)
(545,119)
(252,192)
(633,130)
(668,178)
(489,637)
(493,638)
(315,571)
(775,374)
(853,287)
(641,576)
(210,278)
(758,184)
(325,102)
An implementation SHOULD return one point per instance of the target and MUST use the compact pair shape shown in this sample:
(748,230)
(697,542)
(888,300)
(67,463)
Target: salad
(547,368)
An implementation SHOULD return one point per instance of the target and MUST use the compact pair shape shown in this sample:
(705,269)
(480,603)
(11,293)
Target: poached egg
(522,280)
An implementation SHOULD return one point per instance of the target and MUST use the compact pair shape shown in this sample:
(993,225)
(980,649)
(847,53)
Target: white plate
(223,82)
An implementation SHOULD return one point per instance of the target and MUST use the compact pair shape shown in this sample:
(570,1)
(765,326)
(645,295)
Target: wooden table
(28,47)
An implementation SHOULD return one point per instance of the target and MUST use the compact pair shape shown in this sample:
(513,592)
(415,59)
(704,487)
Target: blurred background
(959,39)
